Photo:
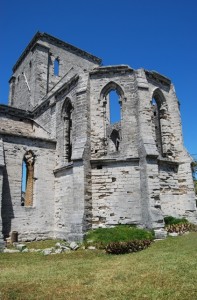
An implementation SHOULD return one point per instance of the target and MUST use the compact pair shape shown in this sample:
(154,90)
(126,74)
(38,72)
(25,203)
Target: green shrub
(172,220)
(101,237)
(127,247)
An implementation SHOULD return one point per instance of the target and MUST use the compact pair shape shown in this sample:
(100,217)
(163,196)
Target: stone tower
(68,166)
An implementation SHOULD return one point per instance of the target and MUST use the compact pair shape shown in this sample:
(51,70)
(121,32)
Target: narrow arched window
(156,105)
(67,120)
(56,67)
(111,100)
(24,182)
(27,179)
(114,107)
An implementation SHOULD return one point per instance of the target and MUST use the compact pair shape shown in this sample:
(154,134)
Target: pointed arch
(111,86)
(159,97)
(111,99)
(67,110)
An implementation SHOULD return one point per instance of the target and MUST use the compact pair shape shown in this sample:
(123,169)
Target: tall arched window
(67,129)
(27,178)
(158,108)
(111,99)
(114,107)
(56,67)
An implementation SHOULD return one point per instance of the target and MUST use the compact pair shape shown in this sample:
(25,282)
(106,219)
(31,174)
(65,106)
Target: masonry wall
(73,182)
(67,61)
(20,96)
(69,202)
(34,77)
(99,140)
(21,126)
(36,221)
(176,190)
(63,202)
(168,186)
(116,194)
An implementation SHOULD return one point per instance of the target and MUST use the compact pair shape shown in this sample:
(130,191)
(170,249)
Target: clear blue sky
(153,34)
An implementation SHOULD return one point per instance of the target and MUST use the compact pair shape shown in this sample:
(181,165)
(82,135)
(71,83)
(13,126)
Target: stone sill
(27,136)
(111,160)
(66,166)
(168,161)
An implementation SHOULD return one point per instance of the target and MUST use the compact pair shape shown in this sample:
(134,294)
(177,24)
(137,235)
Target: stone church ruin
(67,166)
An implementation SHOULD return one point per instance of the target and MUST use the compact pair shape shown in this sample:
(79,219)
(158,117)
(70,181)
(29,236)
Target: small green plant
(127,247)
(169,220)
(101,237)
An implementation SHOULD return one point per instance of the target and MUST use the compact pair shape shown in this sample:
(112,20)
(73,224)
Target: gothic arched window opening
(67,126)
(56,67)
(27,179)
(157,103)
(114,107)
(111,98)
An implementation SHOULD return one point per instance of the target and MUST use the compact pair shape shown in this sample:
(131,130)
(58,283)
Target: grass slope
(166,270)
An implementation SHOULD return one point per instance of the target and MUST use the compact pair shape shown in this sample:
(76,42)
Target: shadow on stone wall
(7,208)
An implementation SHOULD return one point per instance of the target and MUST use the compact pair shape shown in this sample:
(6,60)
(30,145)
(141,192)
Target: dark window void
(115,137)
(67,116)
(114,107)
(99,167)
(157,124)
(56,67)
(27,179)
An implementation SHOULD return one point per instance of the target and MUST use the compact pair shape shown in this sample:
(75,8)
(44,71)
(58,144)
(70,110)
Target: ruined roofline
(14,111)
(38,110)
(57,41)
(24,136)
(113,69)
(157,77)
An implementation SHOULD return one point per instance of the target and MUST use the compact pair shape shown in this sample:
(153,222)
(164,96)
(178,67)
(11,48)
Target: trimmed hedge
(127,247)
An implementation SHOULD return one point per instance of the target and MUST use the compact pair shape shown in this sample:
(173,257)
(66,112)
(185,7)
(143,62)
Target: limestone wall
(69,202)
(22,84)
(22,127)
(63,202)
(33,75)
(35,221)
(124,78)
(116,194)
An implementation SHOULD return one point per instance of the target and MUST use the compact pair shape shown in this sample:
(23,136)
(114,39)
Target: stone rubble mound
(57,249)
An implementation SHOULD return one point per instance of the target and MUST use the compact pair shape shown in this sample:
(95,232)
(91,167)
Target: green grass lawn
(166,270)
